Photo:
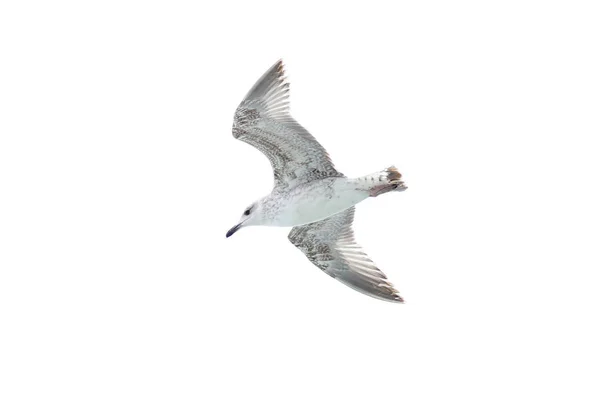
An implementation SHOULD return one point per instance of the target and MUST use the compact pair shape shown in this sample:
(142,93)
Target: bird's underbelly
(319,202)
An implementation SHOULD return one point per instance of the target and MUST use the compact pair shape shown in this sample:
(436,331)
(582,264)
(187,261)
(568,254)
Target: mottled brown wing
(263,121)
(329,244)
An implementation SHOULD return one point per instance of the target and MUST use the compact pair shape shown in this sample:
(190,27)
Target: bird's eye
(247,212)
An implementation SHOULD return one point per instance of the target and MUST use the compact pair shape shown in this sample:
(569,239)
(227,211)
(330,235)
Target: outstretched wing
(263,121)
(329,244)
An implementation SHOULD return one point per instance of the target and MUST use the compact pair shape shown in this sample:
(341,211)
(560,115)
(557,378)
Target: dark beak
(233,230)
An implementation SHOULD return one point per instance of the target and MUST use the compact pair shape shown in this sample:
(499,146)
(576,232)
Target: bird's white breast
(317,200)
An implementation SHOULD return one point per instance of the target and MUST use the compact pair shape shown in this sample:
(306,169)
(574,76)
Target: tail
(382,182)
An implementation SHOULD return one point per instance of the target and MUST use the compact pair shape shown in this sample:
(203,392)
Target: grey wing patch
(329,244)
(263,120)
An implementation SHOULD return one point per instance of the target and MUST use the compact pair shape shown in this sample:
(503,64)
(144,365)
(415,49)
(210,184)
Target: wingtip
(281,72)
(279,67)
(270,94)
(395,297)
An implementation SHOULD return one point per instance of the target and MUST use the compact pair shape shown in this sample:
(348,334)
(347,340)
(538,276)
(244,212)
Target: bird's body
(309,194)
(313,201)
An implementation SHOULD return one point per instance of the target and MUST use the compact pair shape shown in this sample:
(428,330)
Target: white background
(119,178)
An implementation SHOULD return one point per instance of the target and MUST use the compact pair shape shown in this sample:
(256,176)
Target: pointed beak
(233,230)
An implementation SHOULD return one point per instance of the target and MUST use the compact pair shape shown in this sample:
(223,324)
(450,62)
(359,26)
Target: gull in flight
(309,194)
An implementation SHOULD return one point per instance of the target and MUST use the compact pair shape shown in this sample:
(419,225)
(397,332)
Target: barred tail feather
(382,182)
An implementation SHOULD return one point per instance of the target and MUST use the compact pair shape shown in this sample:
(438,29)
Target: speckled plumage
(308,192)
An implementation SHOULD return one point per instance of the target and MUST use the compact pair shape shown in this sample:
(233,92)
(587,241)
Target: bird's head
(252,216)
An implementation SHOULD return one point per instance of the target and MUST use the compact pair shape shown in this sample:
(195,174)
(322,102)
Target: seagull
(309,194)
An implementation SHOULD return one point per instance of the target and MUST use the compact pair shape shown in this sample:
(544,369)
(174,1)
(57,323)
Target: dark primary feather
(263,120)
(329,244)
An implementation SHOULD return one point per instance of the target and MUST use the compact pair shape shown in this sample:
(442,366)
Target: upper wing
(263,120)
(329,244)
